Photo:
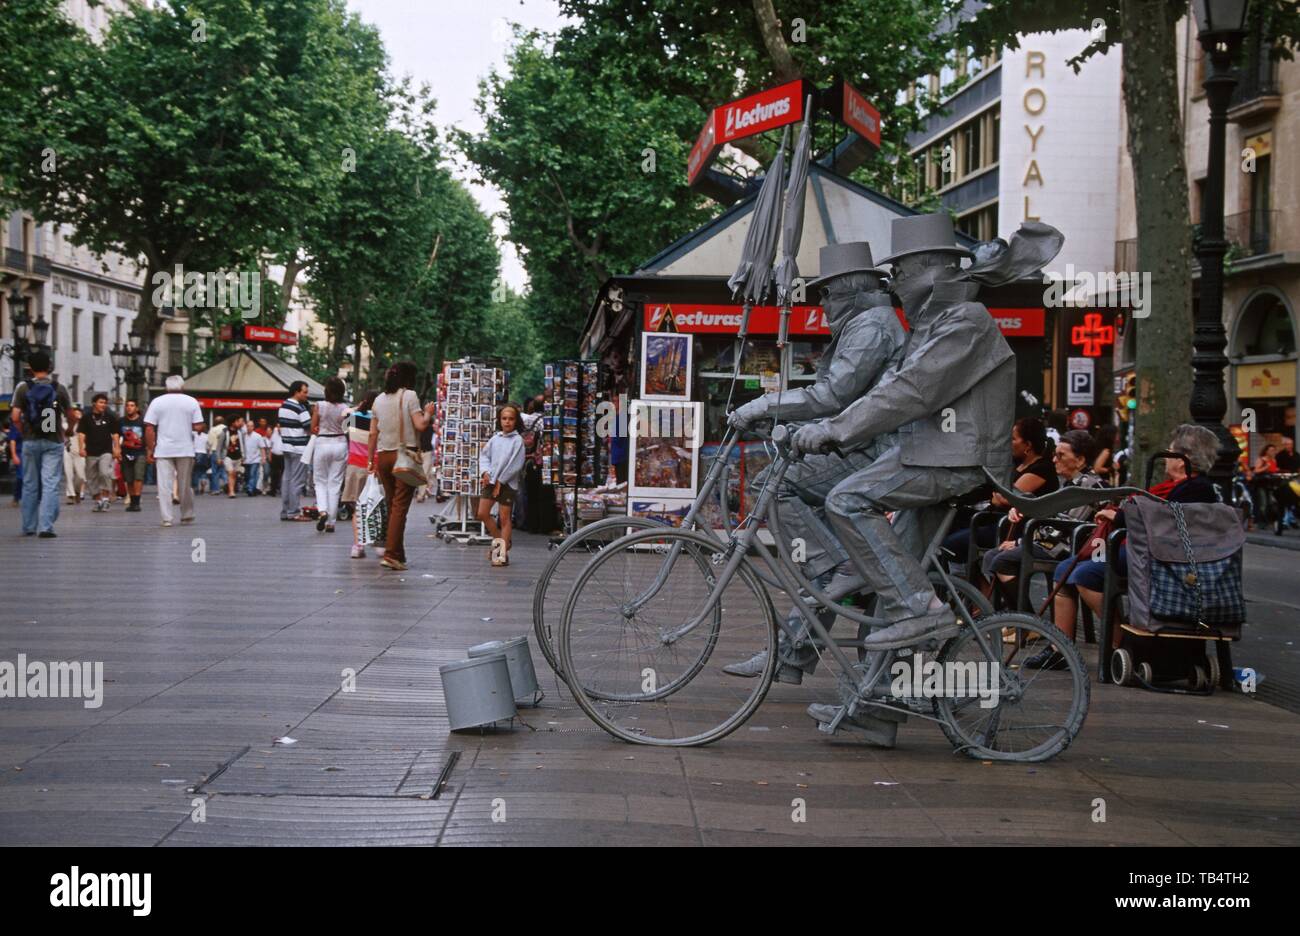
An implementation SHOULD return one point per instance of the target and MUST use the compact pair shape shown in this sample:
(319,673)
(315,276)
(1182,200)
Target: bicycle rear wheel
(560,573)
(641,629)
(1034,714)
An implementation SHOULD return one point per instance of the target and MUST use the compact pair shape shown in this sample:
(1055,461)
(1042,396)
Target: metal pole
(1209,403)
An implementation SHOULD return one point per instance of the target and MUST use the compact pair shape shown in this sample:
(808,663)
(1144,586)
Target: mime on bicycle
(866,341)
(950,402)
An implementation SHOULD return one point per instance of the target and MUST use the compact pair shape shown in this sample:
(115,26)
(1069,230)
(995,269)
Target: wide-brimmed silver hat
(838,259)
(922,234)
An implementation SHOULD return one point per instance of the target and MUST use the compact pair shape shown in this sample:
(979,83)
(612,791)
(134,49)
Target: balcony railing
(1248,233)
(1257,76)
(16,261)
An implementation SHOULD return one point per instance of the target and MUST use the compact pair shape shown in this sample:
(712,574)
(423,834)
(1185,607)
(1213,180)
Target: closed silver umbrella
(753,276)
(792,222)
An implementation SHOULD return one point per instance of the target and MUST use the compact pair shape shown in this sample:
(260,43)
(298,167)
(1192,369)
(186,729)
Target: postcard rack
(470,392)
(573,457)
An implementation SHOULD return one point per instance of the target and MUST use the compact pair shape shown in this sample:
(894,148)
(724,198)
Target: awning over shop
(248,380)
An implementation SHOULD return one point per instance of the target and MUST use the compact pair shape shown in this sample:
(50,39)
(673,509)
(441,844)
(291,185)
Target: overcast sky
(450,45)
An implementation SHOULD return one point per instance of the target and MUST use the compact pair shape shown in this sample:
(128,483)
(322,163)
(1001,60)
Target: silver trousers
(885,555)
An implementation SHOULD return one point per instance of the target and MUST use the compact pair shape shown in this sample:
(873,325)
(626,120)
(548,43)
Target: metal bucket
(523,678)
(477,691)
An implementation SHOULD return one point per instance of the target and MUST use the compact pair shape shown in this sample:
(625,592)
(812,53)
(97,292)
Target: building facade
(1020,136)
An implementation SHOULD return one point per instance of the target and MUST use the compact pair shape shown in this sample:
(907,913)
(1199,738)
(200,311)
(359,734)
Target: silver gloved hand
(812,439)
(745,416)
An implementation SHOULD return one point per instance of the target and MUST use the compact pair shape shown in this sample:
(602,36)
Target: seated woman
(1182,484)
(1074,456)
(1034,475)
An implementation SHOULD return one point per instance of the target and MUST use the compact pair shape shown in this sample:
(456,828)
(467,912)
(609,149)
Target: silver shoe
(934,625)
(878,731)
(755,665)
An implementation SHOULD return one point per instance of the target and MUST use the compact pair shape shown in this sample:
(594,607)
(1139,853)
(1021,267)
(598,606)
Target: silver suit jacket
(869,344)
(952,400)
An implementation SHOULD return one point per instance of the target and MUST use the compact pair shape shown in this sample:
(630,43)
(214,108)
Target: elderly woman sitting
(1073,459)
(1182,484)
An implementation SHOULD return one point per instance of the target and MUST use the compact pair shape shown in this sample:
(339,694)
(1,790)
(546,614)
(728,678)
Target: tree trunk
(769,27)
(1155,145)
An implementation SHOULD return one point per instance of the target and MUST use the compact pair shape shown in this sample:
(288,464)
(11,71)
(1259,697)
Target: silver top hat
(838,259)
(923,234)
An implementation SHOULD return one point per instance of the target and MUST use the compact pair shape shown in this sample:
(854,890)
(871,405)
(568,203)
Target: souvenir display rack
(470,392)
(573,458)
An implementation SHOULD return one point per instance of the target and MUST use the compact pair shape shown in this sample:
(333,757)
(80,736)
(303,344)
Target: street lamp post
(18,317)
(1220,26)
(134,364)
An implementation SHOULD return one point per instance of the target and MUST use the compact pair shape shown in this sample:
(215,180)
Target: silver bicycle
(654,613)
(570,557)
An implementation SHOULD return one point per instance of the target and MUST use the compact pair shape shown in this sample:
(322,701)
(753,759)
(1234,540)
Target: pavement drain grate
(334,772)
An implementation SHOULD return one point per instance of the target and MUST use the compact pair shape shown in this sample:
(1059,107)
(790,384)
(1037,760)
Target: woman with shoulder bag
(397,420)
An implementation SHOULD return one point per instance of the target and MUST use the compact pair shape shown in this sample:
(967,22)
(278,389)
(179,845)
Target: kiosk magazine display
(470,392)
(572,454)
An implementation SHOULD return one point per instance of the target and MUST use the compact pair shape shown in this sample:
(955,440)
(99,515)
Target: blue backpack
(41,397)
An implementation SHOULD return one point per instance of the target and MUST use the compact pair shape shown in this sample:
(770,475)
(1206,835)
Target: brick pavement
(209,662)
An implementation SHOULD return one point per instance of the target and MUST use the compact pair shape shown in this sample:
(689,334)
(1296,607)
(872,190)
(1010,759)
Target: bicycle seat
(1062,499)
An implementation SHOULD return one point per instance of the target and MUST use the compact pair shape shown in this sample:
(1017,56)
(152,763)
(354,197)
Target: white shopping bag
(372,513)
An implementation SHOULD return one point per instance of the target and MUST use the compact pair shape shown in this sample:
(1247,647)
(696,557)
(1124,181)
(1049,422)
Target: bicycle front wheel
(646,630)
(994,706)
(562,571)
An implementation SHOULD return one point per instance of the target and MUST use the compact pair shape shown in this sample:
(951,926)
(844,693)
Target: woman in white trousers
(330,453)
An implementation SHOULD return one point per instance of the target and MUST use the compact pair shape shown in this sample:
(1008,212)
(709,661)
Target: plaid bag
(1184,566)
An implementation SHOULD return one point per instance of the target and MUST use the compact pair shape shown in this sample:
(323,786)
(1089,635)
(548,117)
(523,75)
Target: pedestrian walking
(218,436)
(234,443)
(41,405)
(256,447)
(99,445)
(396,423)
(354,477)
(501,463)
(134,463)
(295,424)
(330,455)
(74,466)
(199,477)
(14,443)
(277,461)
(169,427)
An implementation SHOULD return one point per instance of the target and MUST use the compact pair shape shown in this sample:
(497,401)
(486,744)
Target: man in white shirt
(255,447)
(169,427)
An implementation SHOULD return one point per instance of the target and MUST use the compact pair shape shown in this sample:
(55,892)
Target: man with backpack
(41,405)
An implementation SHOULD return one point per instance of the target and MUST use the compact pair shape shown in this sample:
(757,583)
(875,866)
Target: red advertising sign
(276,335)
(857,113)
(713,319)
(237,403)
(708,319)
(261,333)
(702,152)
(1020,323)
(757,113)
